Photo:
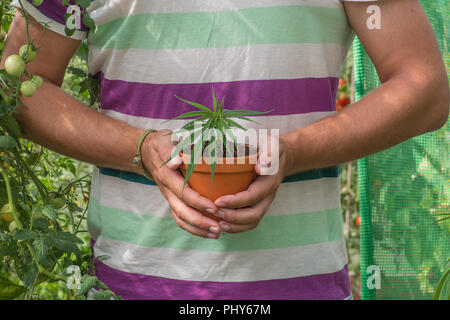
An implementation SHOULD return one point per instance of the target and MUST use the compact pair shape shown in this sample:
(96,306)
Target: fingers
(240,220)
(159,152)
(268,155)
(187,205)
(261,187)
(190,219)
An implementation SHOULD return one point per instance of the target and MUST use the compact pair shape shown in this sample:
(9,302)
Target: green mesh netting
(401,191)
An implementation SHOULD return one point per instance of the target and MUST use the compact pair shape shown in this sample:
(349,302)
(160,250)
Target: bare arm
(58,121)
(61,123)
(413,99)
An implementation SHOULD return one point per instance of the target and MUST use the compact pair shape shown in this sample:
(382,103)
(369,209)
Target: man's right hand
(186,206)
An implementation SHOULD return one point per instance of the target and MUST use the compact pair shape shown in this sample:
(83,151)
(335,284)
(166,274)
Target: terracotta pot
(229,178)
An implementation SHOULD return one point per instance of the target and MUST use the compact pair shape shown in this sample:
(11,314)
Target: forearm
(399,109)
(56,120)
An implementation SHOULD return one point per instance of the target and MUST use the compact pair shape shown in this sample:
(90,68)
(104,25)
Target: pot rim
(222,167)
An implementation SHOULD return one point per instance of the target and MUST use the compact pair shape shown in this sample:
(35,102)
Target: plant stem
(14,212)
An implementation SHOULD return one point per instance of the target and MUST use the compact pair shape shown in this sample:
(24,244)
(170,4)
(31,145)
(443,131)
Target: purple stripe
(332,286)
(55,10)
(293,96)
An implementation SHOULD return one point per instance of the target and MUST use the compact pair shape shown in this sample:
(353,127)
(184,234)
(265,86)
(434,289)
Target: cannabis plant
(210,128)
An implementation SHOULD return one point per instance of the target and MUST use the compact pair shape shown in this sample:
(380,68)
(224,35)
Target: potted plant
(213,162)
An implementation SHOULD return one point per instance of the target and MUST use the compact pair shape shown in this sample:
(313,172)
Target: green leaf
(84,3)
(49,212)
(69,237)
(30,274)
(195,104)
(187,115)
(102,295)
(41,224)
(193,159)
(88,22)
(191,125)
(437,293)
(7,142)
(186,142)
(9,250)
(54,239)
(14,80)
(235,124)
(11,125)
(9,290)
(83,51)
(41,249)
(69,32)
(212,155)
(77,71)
(87,283)
(26,234)
(243,112)
(214,99)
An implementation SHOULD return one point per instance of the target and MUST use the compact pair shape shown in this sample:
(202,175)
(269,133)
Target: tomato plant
(42,195)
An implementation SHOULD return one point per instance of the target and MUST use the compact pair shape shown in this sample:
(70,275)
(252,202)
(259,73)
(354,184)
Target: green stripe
(331,172)
(273,231)
(269,25)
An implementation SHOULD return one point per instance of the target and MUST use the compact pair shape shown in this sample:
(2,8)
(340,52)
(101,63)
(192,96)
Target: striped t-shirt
(284,55)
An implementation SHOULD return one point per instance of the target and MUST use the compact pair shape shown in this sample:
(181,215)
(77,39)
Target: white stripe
(196,265)
(291,198)
(284,123)
(103,11)
(256,62)
(49,24)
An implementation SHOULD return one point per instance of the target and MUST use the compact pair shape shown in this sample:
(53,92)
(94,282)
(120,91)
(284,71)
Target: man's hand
(187,206)
(244,210)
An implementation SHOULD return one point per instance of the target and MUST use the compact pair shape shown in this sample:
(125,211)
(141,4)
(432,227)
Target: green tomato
(37,80)
(56,201)
(7,215)
(27,53)
(2,35)
(37,2)
(12,226)
(14,65)
(28,88)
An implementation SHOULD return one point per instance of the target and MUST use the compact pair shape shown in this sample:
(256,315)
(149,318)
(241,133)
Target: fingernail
(220,214)
(214,230)
(225,227)
(211,235)
(263,164)
(220,204)
(211,211)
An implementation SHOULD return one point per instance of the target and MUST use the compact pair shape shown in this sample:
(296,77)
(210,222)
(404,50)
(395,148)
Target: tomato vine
(43,196)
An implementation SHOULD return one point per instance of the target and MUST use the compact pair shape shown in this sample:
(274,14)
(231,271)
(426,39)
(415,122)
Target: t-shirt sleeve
(51,14)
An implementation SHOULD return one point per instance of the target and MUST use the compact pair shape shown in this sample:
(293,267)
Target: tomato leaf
(26,234)
(7,142)
(30,273)
(9,290)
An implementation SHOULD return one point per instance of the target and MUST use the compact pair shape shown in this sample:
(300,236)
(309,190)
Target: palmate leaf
(186,142)
(229,132)
(217,119)
(232,123)
(189,115)
(195,104)
(214,100)
(243,112)
(194,158)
